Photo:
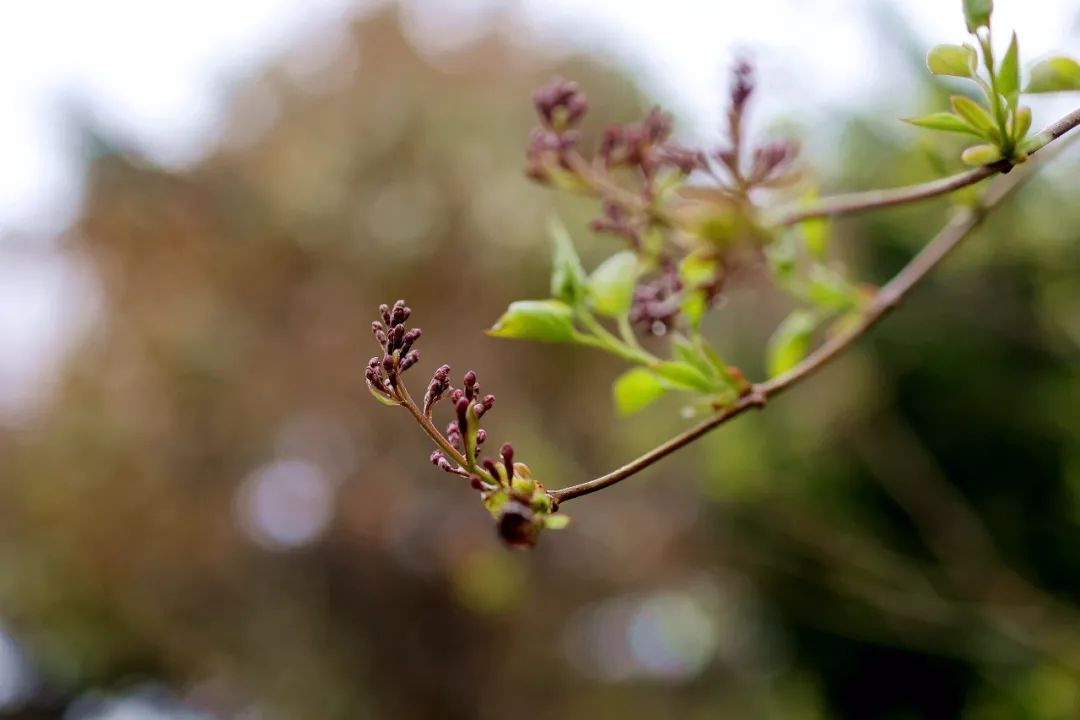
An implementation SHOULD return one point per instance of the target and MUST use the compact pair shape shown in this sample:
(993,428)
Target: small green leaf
(567,274)
(944,121)
(693,307)
(382,398)
(829,290)
(1033,143)
(783,255)
(976,116)
(981,154)
(1008,76)
(556,522)
(543,320)
(684,376)
(977,13)
(611,285)
(636,389)
(790,342)
(698,268)
(688,352)
(815,234)
(1021,121)
(1054,74)
(952,60)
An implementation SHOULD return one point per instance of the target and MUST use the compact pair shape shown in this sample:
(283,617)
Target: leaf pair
(698,369)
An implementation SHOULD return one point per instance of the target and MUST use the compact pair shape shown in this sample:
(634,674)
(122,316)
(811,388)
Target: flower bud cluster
(771,164)
(383,373)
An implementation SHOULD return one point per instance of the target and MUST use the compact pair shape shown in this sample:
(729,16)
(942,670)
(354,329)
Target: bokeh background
(203,514)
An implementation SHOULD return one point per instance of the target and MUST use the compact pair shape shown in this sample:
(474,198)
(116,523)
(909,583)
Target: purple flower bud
(397,337)
(742,84)
(507,452)
(384,311)
(491,467)
(657,126)
(388,364)
(409,360)
(462,413)
(456,395)
(439,460)
(481,436)
(560,104)
(412,336)
(476,483)
(398,313)
(453,435)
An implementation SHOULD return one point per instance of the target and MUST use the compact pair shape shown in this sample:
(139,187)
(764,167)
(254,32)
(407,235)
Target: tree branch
(887,298)
(851,203)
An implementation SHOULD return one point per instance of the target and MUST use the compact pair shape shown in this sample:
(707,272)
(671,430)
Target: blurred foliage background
(210,517)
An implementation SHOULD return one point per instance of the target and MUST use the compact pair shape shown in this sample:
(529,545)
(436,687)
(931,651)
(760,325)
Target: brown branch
(887,298)
(857,202)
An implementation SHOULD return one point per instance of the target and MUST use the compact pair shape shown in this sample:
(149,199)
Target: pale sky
(159,74)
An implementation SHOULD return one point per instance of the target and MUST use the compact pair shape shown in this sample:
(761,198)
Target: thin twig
(887,298)
(876,199)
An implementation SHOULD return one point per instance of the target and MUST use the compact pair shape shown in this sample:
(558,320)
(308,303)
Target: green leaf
(943,121)
(830,290)
(815,234)
(688,352)
(697,269)
(790,342)
(977,13)
(636,389)
(1033,143)
(684,376)
(981,154)
(611,285)
(556,522)
(543,320)
(1056,74)
(567,274)
(783,255)
(1008,76)
(976,116)
(952,60)
(694,305)
(381,398)
(1021,123)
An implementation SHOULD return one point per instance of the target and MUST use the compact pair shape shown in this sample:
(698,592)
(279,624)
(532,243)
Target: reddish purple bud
(481,436)
(507,452)
(453,434)
(476,482)
(742,83)
(462,413)
(560,104)
(409,360)
(384,311)
(397,337)
(491,467)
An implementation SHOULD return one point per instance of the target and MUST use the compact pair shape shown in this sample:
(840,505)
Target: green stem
(627,333)
(603,339)
(995,96)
